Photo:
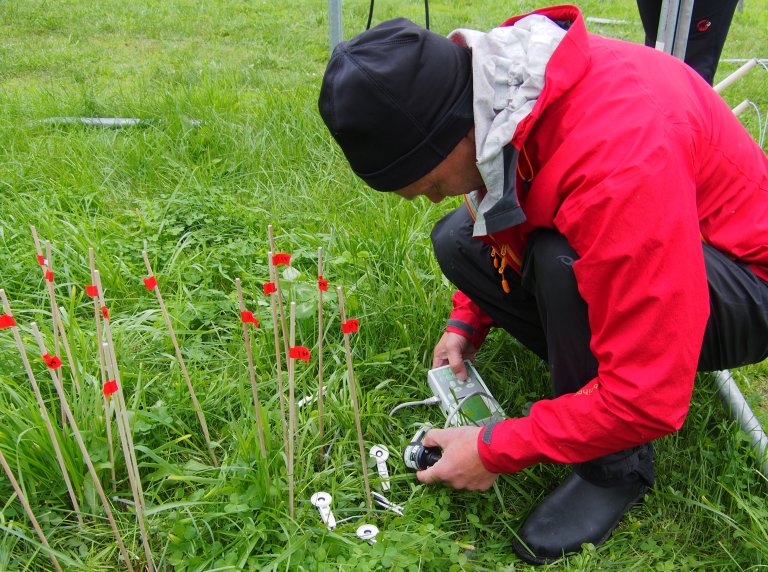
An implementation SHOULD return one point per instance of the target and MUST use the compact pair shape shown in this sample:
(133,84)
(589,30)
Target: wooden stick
(84,451)
(124,430)
(353,394)
(43,411)
(321,389)
(56,314)
(102,368)
(138,493)
(251,372)
(278,360)
(195,402)
(291,410)
(131,462)
(44,262)
(28,510)
(276,280)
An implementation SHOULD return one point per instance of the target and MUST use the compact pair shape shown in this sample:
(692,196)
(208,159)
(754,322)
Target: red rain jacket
(636,161)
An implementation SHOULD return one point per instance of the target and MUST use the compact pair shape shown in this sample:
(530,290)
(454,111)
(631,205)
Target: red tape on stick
(299,352)
(109,387)
(322,284)
(249,318)
(105,312)
(350,326)
(6,321)
(41,259)
(150,283)
(92,290)
(49,275)
(269,288)
(52,362)
(281,258)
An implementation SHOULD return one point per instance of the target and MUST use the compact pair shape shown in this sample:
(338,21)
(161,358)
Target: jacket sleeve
(468,320)
(633,221)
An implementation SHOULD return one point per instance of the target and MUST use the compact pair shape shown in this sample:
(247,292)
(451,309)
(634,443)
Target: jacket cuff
(502,450)
(468,320)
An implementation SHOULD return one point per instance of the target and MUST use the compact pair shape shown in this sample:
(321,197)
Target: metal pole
(334,22)
(684,15)
(738,409)
(665,34)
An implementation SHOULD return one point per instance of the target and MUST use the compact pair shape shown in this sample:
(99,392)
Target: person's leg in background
(710,22)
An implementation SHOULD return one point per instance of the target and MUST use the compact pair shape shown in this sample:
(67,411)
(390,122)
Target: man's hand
(453,349)
(460,466)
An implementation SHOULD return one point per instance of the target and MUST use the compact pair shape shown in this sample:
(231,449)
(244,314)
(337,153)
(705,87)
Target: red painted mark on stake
(281,258)
(52,362)
(322,284)
(49,275)
(41,259)
(92,290)
(150,283)
(249,318)
(109,387)
(299,352)
(105,312)
(350,326)
(269,288)
(6,321)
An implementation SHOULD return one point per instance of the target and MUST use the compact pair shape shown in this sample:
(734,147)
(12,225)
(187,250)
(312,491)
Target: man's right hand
(453,349)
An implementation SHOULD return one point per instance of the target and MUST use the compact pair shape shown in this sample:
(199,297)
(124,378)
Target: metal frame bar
(334,23)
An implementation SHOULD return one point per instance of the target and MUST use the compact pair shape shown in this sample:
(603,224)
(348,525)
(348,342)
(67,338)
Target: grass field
(231,142)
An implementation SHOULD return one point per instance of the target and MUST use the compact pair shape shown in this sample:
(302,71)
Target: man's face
(456,175)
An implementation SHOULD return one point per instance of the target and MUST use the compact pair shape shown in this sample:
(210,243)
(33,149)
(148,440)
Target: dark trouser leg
(544,311)
(710,22)
(737,329)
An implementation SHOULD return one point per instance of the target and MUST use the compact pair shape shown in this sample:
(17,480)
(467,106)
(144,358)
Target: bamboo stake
(84,451)
(102,367)
(56,315)
(44,262)
(276,280)
(28,510)
(45,267)
(353,393)
(124,429)
(321,285)
(251,372)
(291,410)
(138,493)
(195,402)
(43,411)
(278,360)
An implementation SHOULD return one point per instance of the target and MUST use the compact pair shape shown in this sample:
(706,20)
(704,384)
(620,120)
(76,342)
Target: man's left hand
(460,465)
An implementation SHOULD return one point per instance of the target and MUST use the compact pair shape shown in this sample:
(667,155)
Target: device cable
(429,401)
(461,403)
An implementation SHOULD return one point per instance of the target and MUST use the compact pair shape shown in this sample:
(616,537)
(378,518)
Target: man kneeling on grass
(615,223)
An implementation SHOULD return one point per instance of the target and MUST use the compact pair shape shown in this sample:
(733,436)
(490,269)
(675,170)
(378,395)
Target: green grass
(233,144)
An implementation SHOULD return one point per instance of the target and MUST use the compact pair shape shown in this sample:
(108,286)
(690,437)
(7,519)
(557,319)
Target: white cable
(429,401)
(461,403)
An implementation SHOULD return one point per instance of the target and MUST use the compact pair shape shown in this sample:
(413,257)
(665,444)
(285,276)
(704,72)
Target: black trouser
(709,27)
(546,313)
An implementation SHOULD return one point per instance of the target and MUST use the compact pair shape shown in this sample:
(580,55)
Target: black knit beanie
(397,98)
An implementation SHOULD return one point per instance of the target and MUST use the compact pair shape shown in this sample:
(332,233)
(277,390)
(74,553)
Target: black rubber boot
(575,513)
